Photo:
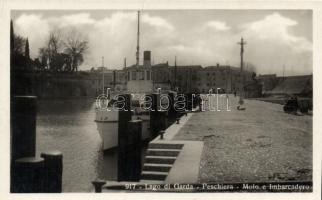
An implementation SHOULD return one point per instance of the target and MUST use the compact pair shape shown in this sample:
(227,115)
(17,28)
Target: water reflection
(68,126)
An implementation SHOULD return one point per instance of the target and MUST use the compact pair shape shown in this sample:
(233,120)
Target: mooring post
(28,175)
(129,159)
(161,134)
(162,118)
(188,98)
(172,112)
(135,148)
(178,120)
(23,125)
(154,118)
(23,135)
(53,171)
(98,185)
(125,116)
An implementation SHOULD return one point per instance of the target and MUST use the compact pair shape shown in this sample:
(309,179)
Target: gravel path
(261,143)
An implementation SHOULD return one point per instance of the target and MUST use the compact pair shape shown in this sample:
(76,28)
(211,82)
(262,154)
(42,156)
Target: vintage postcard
(161,100)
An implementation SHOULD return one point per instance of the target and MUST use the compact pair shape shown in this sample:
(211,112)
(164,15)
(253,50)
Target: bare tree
(63,52)
(76,46)
(43,57)
(55,42)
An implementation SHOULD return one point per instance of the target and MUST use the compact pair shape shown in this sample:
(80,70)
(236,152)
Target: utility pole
(283,71)
(138,43)
(242,81)
(175,72)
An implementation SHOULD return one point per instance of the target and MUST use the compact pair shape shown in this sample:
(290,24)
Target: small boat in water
(107,119)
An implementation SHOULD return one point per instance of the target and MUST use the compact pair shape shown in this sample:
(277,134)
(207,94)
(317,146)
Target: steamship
(139,83)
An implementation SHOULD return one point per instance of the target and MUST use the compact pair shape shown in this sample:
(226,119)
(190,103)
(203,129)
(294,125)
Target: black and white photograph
(148,100)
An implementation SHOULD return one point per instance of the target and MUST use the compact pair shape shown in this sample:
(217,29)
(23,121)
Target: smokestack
(147,58)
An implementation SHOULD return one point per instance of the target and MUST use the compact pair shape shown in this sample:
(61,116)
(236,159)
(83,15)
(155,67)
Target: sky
(277,40)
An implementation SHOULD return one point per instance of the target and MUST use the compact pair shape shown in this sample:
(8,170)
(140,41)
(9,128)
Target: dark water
(68,126)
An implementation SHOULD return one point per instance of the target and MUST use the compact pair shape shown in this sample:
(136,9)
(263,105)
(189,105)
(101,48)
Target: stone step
(160,159)
(151,175)
(156,167)
(163,152)
(165,146)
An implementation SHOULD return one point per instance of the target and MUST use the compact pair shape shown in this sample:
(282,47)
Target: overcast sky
(275,38)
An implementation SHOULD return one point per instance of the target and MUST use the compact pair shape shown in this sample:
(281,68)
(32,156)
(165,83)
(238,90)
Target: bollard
(53,171)
(98,185)
(23,126)
(28,175)
(172,112)
(130,157)
(125,116)
(178,120)
(154,118)
(184,113)
(161,134)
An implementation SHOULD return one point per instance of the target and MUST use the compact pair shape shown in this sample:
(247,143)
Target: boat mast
(103,74)
(138,43)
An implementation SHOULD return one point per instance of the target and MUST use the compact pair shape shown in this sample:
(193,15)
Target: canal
(68,126)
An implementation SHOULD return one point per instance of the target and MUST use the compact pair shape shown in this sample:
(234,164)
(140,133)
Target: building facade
(148,78)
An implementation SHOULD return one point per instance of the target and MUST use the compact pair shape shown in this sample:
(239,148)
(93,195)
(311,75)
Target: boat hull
(107,126)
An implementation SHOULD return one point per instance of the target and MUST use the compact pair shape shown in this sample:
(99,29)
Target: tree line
(63,52)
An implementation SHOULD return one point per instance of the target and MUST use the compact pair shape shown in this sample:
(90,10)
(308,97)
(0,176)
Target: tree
(19,44)
(75,46)
(27,55)
(55,42)
(11,38)
(63,53)
(43,57)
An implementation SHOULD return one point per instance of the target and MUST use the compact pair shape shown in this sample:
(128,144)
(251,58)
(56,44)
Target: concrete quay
(259,144)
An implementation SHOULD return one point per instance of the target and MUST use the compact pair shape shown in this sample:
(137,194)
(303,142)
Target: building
(268,82)
(161,77)
(227,78)
(148,78)
(293,85)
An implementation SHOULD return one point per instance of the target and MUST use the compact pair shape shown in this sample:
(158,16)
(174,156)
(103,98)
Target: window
(133,75)
(128,76)
(148,75)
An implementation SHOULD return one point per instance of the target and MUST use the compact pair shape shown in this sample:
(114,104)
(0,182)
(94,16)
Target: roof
(187,66)
(293,85)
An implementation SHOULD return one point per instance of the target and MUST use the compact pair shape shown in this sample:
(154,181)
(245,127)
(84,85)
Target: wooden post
(125,116)
(98,184)
(23,131)
(53,171)
(129,158)
(172,112)
(28,175)
(162,120)
(162,134)
(178,120)
(23,125)
(154,115)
